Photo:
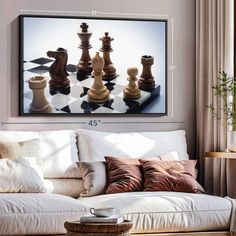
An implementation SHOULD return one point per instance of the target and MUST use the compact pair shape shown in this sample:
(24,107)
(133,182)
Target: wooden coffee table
(75,228)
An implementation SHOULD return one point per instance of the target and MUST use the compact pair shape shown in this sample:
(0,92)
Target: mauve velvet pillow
(124,175)
(179,176)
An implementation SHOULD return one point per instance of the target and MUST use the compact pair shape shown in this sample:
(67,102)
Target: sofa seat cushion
(168,211)
(30,214)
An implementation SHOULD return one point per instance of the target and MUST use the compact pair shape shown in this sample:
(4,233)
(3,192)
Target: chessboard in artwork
(74,99)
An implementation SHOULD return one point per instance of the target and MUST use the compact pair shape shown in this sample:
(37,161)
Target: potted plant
(225,89)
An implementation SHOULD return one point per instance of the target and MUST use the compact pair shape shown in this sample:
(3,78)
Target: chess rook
(146,81)
(84,68)
(39,102)
(98,93)
(109,69)
(57,70)
(131,90)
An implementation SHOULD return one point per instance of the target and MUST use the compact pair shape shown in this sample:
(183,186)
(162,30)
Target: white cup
(103,212)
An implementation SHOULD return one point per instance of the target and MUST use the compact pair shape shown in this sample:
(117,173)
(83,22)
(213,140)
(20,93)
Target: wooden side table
(230,166)
(75,228)
(227,155)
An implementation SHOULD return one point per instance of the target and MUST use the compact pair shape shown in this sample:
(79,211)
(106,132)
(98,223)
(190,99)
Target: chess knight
(57,70)
(98,93)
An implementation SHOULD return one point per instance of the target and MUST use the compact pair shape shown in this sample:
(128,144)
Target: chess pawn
(109,69)
(39,102)
(131,90)
(84,68)
(146,81)
(98,93)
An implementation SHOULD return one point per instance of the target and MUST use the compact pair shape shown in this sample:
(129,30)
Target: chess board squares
(71,68)
(27,103)
(39,70)
(78,91)
(115,89)
(87,82)
(80,106)
(42,60)
(73,79)
(28,65)
(121,105)
(60,100)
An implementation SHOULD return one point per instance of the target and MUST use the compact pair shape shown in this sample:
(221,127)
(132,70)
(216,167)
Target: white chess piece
(131,90)
(98,93)
(39,102)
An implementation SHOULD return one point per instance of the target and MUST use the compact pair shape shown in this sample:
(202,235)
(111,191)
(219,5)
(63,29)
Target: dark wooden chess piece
(57,70)
(109,69)
(84,68)
(98,93)
(146,81)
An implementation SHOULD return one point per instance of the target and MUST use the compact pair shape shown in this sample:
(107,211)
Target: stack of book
(116,219)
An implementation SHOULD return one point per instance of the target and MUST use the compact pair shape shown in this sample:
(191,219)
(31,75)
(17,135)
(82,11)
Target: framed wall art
(85,65)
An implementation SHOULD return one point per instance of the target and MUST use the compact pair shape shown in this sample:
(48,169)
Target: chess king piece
(109,69)
(131,90)
(57,70)
(84,68)
(146,81)
(98,93)
(39,102)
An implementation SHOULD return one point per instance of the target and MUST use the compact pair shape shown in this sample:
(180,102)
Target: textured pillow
(21,175)
(179,176)
(124,175)
(94,145)
(94,177)
(58,150)
(15,150)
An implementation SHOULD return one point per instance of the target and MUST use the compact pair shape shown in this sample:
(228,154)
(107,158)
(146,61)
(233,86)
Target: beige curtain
(214,53)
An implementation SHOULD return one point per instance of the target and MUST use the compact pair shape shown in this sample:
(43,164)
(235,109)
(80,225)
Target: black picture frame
(133,39)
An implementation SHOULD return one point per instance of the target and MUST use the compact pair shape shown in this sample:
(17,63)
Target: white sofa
(151,212)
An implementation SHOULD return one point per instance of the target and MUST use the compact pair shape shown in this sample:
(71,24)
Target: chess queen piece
(84,68)
(109,69)
(131,90)
(98,93)
(39,102)
(146,81)
(57,70)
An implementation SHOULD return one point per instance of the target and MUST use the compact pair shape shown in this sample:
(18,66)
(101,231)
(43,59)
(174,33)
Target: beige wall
(181,62)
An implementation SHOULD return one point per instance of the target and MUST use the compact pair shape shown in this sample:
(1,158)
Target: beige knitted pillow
(15,150)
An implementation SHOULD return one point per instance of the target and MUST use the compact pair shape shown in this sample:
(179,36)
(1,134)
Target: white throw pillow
(94,145)
(58,150)
(21,175)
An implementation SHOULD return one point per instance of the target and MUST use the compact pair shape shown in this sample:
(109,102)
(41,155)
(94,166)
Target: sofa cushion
(94,145)
(153,212)
(58,150)
(68,187)
(21,175)
(31,214)
(94,177)
(15,150)
(179,176)
(124,175)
